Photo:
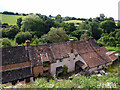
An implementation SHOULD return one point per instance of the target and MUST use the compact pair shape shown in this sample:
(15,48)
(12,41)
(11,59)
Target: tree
(84,26)
(33,23)
(28,22)
(58,18)
(111,41)
(57,35)
(12,31)
(95,30)
(104,39)
(22,36)
(6,42)
(108,26)
(19,21)
(77,33)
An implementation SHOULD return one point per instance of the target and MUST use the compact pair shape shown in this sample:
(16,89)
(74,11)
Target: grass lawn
(10,19)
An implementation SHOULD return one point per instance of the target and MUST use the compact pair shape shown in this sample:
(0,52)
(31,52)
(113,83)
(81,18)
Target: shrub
(65,68)
(22,36)
(6,42)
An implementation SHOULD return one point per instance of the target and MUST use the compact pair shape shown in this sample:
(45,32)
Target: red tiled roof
(104,49)
(91,52)
(41,53)
(60,50)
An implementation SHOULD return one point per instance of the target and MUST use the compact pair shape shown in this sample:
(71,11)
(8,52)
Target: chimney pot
(86,37)
(27,43)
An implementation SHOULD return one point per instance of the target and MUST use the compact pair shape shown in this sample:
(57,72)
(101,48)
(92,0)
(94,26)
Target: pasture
(10,19)
(76,22)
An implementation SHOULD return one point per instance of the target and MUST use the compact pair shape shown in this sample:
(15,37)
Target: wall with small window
(69,62)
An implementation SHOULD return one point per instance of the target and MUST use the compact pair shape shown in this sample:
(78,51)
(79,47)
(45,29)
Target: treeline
(41,29)
(12,13)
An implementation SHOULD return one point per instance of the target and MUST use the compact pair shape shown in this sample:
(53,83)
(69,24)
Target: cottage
(28,61)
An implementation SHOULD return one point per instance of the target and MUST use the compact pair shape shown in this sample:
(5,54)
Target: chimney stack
(71,45)
(86,37)
(27,43)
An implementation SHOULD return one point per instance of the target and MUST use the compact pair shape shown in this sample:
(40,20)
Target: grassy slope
(74,21)
(10,19)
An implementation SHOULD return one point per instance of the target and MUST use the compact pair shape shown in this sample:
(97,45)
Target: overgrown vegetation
(105,81)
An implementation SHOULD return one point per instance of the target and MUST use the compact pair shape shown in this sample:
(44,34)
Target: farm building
(23,63)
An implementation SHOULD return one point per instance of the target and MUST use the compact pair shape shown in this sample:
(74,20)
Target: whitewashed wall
(68,62)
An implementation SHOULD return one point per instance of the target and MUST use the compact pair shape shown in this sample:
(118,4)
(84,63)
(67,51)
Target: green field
(74,21)
(10,19)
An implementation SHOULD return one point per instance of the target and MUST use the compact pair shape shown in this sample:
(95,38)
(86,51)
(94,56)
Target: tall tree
(56,35)
(95,30)
(33,23)
(108,26)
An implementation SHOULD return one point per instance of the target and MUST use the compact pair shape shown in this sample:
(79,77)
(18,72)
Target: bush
(6,42)
(22,36)
(65,68)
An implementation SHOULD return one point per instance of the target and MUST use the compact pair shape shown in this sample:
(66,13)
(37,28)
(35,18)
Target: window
(59,68)
(60,60)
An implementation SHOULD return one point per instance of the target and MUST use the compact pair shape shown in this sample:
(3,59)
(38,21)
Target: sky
(72,8)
